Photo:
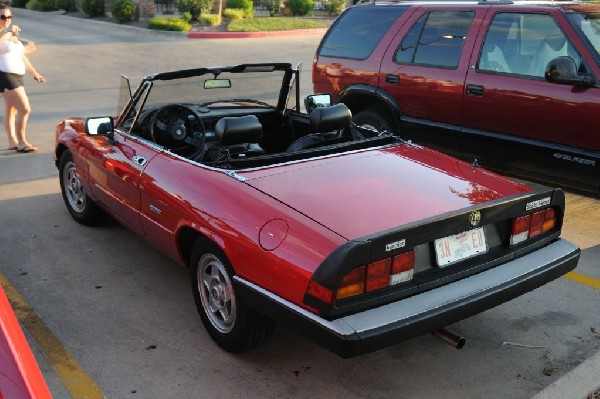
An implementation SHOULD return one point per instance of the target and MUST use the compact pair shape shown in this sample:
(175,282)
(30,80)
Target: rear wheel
(231,324)
(80,206)
(375,118)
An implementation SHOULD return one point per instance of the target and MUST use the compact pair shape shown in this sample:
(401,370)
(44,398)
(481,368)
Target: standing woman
(13,65)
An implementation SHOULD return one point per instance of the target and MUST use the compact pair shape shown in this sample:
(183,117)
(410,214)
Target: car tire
(375,118)
(80,205)
(231,324)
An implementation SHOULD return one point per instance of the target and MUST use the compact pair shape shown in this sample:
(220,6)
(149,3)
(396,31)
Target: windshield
(252,85)
(588,26)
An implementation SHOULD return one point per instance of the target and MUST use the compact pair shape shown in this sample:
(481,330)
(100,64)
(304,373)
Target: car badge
(474,218)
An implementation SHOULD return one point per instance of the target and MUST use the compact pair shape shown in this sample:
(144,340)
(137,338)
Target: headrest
(326,119)
(238,130)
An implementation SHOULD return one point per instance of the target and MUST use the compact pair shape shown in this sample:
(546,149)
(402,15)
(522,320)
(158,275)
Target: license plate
(452,249)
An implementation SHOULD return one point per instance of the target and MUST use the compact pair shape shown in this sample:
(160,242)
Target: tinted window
(588,26)
(358,30)
(523,44)
(436,39)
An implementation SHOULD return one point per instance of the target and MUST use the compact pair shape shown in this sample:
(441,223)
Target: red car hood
(364,192)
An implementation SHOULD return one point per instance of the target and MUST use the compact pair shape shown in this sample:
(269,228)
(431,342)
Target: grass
(272,24)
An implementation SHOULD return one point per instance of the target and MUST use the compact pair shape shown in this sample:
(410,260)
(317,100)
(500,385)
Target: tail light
(376,275)
(529,226)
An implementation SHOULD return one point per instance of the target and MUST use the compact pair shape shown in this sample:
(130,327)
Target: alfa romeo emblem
(474,218)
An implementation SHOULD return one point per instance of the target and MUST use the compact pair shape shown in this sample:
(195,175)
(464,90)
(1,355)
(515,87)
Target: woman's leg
(18,110)
(9,122)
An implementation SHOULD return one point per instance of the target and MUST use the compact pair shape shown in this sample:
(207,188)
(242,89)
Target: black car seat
(329,125)
(237,137)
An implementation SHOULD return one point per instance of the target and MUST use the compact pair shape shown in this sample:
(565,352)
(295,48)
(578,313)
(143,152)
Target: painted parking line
(586,280)
(67,369)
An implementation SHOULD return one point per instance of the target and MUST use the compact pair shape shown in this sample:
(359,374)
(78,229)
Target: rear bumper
(389,324)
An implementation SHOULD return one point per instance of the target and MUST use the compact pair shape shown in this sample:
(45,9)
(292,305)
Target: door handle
(139,160)
(475,90)
(393,79)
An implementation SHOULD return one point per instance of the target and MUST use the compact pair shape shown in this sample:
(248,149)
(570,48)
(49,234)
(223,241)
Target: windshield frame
(135,106)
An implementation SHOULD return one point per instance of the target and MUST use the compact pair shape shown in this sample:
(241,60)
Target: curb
(242,35)
(578,383)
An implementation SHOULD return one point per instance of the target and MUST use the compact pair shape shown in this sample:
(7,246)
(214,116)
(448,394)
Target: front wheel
(231,324)
(80,206)
(375,119)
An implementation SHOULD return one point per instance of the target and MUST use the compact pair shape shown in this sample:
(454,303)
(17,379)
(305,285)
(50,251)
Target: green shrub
(233,13)
(274,6)
(210,19)
(67,5)
(40,5)
(245,5)
(194,7)
(302,7)
(172,24)
(334,7)
(18,3)
(122,10)
(187,17)
(93,8)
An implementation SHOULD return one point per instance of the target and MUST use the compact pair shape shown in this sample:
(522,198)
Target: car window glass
(523,44)
(437,39)
(588,26)
(358,30)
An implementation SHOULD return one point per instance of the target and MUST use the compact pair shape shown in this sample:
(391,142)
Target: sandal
(27,148)
(12,148)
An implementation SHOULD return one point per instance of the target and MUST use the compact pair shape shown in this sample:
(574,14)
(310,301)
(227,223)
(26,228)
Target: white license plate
(452,249)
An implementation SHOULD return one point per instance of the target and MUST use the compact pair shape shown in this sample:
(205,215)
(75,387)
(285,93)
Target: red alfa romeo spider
(354,237)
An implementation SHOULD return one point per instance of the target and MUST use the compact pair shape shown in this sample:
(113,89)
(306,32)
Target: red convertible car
(351,236)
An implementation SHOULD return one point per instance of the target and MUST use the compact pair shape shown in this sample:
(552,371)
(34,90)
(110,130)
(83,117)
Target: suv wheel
(375,118)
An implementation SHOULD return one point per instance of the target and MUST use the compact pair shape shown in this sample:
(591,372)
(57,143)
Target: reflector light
(403,266)
(549,219)
(352,284)
(318,291)
(520,229)
(537,221)
(378,274)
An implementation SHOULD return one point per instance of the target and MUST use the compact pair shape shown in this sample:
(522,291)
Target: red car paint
(20,376)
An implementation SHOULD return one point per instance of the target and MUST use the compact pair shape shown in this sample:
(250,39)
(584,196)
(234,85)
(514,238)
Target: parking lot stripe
(67,369)
(580,278)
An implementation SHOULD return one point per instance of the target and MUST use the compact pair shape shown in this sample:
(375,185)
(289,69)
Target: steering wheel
(172,125)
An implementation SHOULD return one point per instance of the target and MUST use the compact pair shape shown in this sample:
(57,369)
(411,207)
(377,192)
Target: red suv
(514,85)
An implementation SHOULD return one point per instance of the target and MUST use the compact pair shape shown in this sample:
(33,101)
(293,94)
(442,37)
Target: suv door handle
(475,90)
(393,79)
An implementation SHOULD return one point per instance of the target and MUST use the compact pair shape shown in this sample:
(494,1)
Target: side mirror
(316,101)
(101,126)
(562,70)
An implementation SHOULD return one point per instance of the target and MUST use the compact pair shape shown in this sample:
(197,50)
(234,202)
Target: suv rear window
(358,30)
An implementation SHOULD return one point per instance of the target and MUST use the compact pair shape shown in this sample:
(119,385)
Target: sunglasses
(5,17)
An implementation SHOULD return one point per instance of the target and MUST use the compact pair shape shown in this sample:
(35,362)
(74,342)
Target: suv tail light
(529,226)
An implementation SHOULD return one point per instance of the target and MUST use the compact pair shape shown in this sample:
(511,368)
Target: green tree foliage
(302,7)
(194,7)
(93,8)
(245,5)
(67,5)
(40,5)
(122,10)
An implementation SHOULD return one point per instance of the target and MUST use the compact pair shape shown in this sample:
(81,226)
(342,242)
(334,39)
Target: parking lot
(119,318)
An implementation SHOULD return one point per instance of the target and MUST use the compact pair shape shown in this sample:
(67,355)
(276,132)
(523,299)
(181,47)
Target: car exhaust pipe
(450,338)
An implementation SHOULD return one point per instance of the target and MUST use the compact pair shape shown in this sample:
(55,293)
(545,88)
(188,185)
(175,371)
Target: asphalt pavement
(580,382)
